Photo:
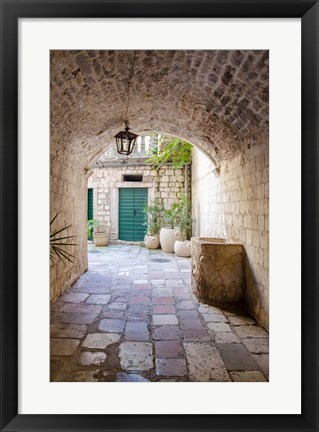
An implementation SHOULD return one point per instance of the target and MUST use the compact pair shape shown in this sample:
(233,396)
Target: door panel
(131,216)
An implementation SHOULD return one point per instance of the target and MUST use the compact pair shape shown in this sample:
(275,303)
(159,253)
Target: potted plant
(153,213)
(167,233)
(182,246)
(100,234)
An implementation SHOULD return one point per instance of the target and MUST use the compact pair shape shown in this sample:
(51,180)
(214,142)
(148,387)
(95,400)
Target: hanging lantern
(125,140)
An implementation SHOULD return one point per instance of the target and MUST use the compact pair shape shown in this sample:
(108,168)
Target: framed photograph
(168,150)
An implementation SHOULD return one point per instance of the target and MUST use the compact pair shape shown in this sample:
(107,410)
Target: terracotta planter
(182,248)
(152,242)
(167,239)
(101,238)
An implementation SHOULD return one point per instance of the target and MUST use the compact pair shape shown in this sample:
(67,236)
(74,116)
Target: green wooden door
(131,216)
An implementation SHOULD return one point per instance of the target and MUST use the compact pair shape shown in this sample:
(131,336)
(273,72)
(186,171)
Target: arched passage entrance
(218,100)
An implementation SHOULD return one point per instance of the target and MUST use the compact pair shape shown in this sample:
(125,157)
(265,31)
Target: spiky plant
(57,244)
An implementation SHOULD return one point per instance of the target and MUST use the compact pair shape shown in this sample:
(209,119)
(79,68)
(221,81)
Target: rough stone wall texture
(167,184)
(68,197)
(217,100)
(234,205)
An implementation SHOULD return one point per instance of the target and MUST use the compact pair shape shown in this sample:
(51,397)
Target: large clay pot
(167,239)
(152,242)
(101,238)
(182,248)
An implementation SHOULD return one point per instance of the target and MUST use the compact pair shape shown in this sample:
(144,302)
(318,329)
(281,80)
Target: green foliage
(185,217)
(92,223)
(171,216)
(58,244)
(153,215)
(176,151)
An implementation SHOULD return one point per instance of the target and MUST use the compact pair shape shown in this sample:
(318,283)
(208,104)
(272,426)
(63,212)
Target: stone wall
(167,183)
(68,198)
(231,201)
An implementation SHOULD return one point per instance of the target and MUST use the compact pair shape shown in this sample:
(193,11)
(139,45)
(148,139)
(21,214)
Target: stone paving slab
(219,327)
(136,355)
(169,349)
(117,306)
(226,337)
(171,367)
(191,324)
(124,377)
(100,340)
(163,300)
(250,332)
(164,309)
(72,331)
(112,325)
(196,335)
(263,361)
(81,308)
(112,314)
(63,347)
(185,304)
(136,331)
(75,297)
(205,362)
(167,332)
(257,346)
(248,376)
(241,320)
(98,299)
(92,358)
(212,317)
(188,313)
(74,318)
(164,320)
(236,357)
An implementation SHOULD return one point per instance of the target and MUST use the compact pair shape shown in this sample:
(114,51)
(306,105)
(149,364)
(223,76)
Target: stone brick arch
(216,99)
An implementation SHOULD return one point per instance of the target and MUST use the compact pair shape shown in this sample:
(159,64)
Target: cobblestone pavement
(132,317)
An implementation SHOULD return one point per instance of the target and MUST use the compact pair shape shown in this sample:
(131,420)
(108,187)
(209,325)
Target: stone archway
(218,100)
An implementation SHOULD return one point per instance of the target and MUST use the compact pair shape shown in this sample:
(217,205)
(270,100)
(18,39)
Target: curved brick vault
(217,100)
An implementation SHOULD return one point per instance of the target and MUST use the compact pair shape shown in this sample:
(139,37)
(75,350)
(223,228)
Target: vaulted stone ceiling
(217,100)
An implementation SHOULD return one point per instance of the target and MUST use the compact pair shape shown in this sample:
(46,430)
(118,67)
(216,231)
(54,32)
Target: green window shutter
(131,216)
(90,204)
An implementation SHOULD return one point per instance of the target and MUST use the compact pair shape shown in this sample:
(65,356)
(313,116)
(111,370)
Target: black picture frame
(11,11)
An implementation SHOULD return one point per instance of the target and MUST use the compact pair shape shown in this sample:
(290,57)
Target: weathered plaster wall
(234,205)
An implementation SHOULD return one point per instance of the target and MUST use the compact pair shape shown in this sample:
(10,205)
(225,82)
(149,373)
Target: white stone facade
(167,183)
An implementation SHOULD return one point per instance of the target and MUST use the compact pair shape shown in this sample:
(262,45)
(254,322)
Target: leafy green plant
(153,215)
(58,243)
(91,225)
(185,217)
(171,216)
(176,151)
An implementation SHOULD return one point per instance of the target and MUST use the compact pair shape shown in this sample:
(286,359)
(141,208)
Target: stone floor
(133,317)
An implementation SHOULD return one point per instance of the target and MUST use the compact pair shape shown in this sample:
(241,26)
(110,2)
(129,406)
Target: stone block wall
(231,201)
(68,197)
(167,183)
